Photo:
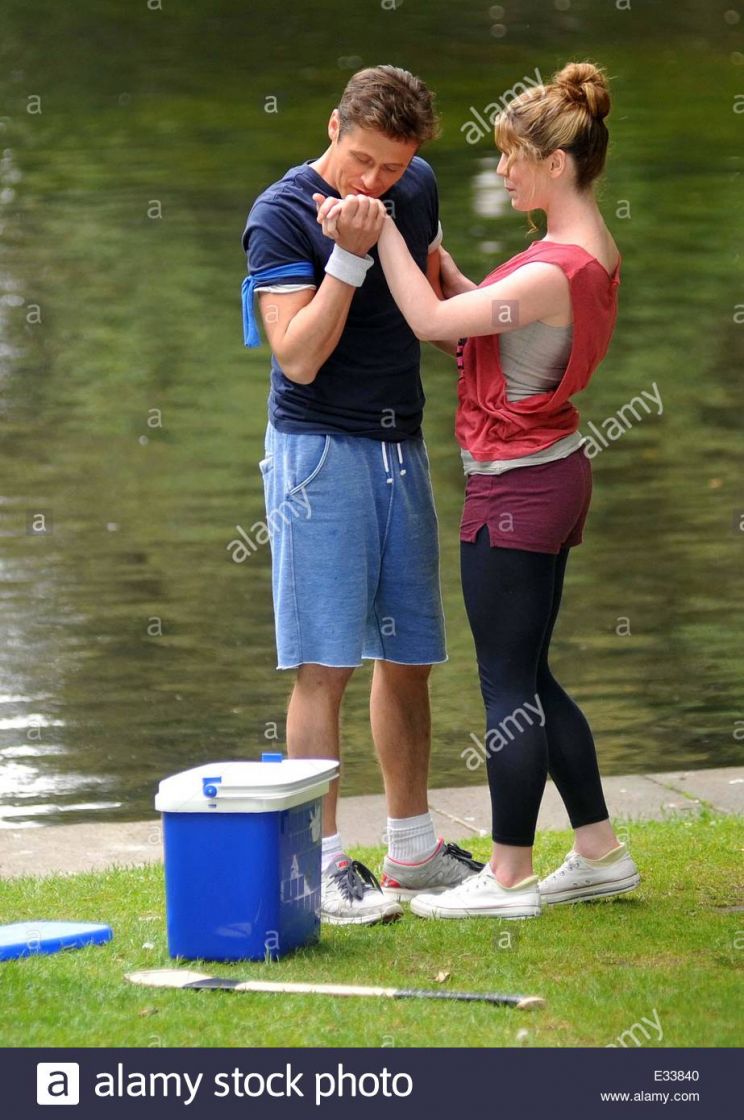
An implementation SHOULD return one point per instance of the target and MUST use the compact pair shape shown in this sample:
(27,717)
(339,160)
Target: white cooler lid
(246,787)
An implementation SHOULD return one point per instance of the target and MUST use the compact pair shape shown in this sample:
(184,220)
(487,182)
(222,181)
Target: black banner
(330,1082)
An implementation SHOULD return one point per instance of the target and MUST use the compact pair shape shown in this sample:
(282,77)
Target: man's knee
(325,679)
(405,674)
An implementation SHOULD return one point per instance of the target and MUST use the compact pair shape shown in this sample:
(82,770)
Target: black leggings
(512,598)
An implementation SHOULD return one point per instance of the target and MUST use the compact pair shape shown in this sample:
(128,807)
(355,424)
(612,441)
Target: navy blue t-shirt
(371,383)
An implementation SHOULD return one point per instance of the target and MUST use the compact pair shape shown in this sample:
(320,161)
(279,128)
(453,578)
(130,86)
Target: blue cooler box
(242,857)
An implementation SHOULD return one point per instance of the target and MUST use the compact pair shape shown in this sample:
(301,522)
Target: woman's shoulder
(599,245)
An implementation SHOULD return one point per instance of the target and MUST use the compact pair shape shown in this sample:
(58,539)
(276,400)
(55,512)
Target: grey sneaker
(447,867)
(350,895)
(578,880)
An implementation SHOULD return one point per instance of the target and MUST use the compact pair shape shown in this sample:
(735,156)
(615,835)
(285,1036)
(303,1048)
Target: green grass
(667,953)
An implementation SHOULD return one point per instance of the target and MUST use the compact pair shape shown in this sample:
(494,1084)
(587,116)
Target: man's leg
(325,550)
(313,723)
(350,894)
(407,631)
(400,716)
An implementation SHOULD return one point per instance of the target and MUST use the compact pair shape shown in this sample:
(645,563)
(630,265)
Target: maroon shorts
(540,509)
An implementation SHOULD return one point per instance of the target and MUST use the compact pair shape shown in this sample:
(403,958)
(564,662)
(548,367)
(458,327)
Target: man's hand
(354,222)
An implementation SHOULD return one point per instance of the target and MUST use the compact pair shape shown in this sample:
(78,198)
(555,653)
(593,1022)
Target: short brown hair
(389,100)
(568,112)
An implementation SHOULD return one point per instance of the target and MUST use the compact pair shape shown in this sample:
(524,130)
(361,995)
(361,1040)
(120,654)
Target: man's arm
(304,327)
(433,267)
(440,268)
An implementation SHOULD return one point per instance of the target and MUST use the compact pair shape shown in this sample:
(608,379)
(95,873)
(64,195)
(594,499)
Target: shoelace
(462,856)
(475,883)
(481,882)
(354,879)
(571,863)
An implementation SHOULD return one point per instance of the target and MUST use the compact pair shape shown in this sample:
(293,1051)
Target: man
(355,560)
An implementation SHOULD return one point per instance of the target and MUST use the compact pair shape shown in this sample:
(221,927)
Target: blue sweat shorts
(354,550)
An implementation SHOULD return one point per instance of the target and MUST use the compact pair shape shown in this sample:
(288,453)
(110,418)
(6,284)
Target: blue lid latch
(209,786)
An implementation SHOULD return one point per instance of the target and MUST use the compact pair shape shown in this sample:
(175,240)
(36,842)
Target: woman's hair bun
(583,83)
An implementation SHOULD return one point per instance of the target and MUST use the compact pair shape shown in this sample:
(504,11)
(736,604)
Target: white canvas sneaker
(579,879)
(482,896)
(350,895)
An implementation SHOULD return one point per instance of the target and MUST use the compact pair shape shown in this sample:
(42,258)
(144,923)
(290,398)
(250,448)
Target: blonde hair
(568,113)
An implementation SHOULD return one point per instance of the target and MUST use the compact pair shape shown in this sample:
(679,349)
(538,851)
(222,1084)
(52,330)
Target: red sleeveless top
(491,427)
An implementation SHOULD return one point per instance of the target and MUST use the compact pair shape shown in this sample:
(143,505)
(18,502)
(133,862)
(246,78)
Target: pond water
(133,141)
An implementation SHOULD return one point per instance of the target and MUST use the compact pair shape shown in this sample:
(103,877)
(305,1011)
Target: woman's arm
(454,282)
(434,276)
(534,291)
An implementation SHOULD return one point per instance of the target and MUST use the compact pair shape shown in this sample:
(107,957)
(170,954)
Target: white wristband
(347,267)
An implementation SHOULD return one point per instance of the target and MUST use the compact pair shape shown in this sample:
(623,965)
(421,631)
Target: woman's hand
(452,280)
(353,222)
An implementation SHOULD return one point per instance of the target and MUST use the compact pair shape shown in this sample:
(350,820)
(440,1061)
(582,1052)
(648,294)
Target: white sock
(411,838)
(330,849)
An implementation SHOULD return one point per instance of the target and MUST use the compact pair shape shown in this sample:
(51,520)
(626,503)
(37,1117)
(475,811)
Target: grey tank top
(534,359)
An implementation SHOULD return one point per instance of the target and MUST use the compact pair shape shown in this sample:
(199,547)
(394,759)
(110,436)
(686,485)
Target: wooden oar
(196,981)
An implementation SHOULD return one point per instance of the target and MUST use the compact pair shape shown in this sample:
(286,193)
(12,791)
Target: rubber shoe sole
(587,894)
(477,912)
(401,894)
(391,913)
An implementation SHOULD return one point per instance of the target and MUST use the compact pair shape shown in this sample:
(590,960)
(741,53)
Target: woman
(535,330)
